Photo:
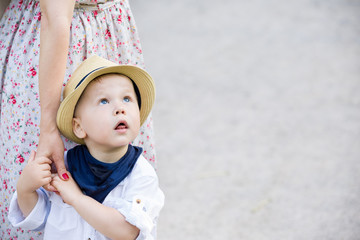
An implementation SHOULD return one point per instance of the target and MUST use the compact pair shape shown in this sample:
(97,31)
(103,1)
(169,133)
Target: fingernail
(65,176)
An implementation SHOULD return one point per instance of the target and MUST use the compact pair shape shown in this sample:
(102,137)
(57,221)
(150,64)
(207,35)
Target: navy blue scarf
(96,179)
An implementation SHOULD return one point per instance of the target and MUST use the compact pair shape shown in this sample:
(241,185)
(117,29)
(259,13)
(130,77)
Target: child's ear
(77,129)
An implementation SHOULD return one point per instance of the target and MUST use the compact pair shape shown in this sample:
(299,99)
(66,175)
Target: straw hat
(91,68)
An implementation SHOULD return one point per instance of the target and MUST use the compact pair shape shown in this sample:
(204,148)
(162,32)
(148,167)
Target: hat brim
(140,77)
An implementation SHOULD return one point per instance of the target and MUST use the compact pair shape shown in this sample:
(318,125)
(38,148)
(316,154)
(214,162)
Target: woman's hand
(51,146)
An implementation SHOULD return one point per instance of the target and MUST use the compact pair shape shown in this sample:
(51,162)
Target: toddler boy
(112,191)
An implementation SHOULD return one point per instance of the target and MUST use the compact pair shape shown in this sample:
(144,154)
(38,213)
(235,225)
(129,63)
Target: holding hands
(37,173)
(51,146)
(68,190)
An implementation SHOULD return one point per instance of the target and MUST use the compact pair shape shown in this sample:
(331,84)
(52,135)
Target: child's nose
(119,110)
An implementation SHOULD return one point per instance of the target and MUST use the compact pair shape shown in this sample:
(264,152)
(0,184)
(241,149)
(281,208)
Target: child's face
(107,115)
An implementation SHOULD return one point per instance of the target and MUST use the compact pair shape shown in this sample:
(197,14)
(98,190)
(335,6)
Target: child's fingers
(32,156)
(46,167)
(57,181)
(50,187)
(54,182)
(43,160)
(46,180)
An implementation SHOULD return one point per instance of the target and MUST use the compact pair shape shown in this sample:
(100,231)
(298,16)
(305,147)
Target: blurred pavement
(257,118)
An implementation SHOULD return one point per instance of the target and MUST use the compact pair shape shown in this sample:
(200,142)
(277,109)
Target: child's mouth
(121,125)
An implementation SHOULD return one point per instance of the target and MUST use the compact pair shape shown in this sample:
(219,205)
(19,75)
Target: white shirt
(138,198)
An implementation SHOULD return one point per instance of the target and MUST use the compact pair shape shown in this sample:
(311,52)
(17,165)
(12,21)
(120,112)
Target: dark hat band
(86,76)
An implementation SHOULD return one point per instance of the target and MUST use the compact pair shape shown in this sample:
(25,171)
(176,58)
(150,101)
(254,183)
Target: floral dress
(106,28)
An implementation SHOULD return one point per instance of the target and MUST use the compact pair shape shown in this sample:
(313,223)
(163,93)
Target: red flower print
(19,5)
(12,99)
(107,33)
(38,16)
(119,19)
(33,71)
(20,158)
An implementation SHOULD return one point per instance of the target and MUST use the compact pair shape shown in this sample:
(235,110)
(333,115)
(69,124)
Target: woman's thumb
(60,168)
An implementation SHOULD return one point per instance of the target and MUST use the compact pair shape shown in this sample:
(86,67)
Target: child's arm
(35,174)
(106,220)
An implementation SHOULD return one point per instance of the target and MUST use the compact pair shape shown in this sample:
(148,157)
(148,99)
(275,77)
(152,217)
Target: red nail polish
(65,176)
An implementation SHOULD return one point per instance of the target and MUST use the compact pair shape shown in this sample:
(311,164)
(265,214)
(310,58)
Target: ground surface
(257,117)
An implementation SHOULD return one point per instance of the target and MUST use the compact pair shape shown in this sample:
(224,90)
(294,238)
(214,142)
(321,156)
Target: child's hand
(68,190)
(35,174)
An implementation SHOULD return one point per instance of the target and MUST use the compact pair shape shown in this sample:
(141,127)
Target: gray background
(257,117)
(3,5)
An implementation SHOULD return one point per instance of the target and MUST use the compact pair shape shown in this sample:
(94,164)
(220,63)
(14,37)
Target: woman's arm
(106,220)
(54,44)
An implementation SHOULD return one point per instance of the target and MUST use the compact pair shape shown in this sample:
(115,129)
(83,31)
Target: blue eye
(126,99)
(104,101)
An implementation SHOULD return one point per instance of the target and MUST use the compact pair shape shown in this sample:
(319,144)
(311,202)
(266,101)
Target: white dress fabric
(138,198)
(107,30)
